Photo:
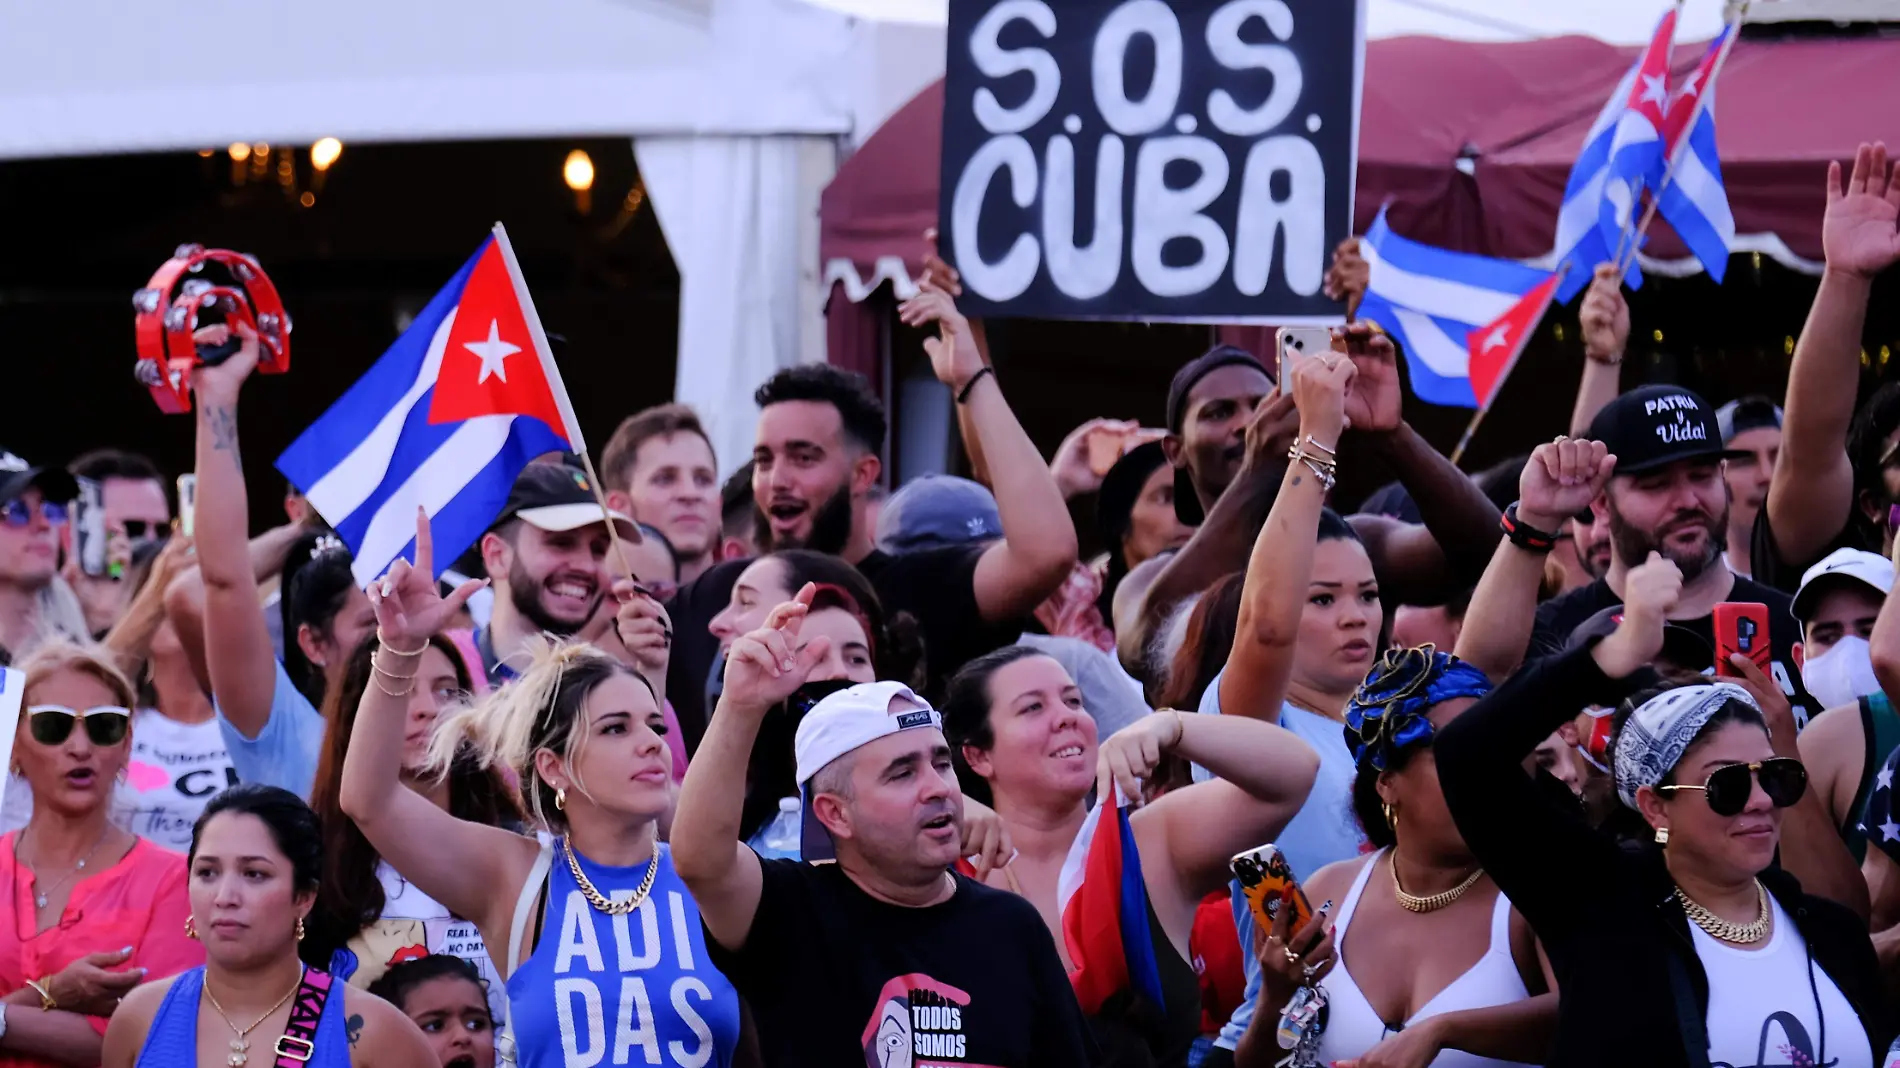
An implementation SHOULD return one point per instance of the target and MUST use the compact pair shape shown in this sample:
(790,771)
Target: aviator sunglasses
(53,724)
(1727,788)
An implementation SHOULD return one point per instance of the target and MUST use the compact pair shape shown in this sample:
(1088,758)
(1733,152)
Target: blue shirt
(1324,832)
(285,752)
(633,989)
(173,1037)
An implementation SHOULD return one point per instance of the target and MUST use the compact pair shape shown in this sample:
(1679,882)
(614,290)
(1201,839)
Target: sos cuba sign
(1147,160)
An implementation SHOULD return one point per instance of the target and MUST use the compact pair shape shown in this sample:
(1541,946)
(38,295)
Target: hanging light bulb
(240,152)
(324,153)
(578,171)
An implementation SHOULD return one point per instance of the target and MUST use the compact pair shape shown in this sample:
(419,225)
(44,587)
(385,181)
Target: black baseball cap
(1748,413)
(17,476)
(1656,426)
(557,497)
(1187,506)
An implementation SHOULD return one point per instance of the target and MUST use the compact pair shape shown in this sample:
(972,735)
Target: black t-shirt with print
(1770,568)
(1557,617)
(838,979)
(938,587)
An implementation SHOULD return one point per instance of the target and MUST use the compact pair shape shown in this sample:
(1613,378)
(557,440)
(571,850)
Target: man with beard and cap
(887,956)
(814,468)
(550,559)
(1838,473)
(1228,438)
(1667,497)
(1751,431)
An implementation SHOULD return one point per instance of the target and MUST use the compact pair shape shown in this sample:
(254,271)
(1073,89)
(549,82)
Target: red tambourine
(201,287)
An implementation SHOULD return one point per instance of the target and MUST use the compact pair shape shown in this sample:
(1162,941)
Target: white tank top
(1353,1027)
(1762,1010)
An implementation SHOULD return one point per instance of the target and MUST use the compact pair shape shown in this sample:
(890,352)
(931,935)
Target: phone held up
(1741,627)
(90,536)
(187,503)
(1296,343)
(1267,882)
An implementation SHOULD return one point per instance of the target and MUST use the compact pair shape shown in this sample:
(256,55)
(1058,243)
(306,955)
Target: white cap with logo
(843,723)
(1871,569)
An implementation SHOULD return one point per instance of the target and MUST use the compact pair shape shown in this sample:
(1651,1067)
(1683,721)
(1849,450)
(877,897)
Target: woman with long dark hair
(584,736)
(367,918)
(256,860)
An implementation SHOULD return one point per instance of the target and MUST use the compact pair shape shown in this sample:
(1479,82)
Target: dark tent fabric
(1513,113)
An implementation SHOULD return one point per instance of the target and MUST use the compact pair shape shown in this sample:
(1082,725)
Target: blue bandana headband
(1387,714)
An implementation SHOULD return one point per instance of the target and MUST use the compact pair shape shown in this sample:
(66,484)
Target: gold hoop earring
(300,928)
(1391,817)
(1662,836)
(191,928)
(560,799)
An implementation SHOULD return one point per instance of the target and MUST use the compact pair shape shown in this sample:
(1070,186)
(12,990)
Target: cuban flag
(1694,200)
(1104,908)
(1581,238)
(444,421)
(1432,301)
(1637,157)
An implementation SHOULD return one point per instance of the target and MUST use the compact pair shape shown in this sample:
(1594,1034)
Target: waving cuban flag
(1693,199)
(1637,158)
(1581,236)
(1441,307)
(1104,907)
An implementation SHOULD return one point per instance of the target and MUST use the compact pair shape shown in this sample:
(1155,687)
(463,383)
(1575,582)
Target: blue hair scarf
(1387,714)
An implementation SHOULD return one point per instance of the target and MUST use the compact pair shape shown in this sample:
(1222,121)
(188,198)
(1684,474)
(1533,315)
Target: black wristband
(1524,537)
(964,393)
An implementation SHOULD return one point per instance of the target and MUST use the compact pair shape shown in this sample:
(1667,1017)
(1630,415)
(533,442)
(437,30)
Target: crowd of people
(1587,759)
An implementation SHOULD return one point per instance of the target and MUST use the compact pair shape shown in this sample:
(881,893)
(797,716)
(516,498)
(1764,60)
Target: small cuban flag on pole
(465,399)
(1692,196)
(1637,154)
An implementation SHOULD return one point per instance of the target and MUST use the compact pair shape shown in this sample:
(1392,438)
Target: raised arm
(185,596)
(1886,641)
(762,669)
(1560,479)
(1263,773)
(238,654)
(1274,594)
(1038,548)
(130,639)
(472,869)
(1415,563)
(1812,494)
(1605,318)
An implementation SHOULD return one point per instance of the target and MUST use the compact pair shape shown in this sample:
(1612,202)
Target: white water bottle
(781,837)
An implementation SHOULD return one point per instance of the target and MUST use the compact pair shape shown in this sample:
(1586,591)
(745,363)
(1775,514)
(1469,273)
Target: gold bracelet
(383,643)
(394,693)
(47,1004)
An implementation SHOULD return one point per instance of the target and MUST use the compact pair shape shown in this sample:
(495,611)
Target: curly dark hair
(848,391)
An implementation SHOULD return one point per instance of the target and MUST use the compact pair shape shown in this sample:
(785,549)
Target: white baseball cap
(1858,565)
(843,723)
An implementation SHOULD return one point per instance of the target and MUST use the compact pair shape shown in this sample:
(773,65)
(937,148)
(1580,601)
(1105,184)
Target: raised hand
(1273,430)
(765,666)
(985,840)
(1129,756)
(1321,385)
(409,605)
(1650,593)
(1310,947)
(1376,400)
(953,352)
(1561,479)
(1073,471)
(220,384)
(644,628)
(936,271)
(1605,316)
(1776,710)
(1858,233)
(1348,275)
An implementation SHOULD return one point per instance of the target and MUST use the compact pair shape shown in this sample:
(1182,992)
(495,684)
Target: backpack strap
(299,1041)
(532,892)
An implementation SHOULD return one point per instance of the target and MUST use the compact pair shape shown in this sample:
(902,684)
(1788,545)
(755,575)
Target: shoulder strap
(1695,1030)
(299,1041)
(1885,733)
(531,893)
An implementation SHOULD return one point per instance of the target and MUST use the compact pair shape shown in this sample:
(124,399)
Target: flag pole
(1682,146)
(1471,429)
(613,536)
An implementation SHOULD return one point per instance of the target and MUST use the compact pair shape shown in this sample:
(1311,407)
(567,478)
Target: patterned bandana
(1655,736)
(1387,715)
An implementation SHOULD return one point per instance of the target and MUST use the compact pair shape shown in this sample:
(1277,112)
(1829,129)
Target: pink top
(139,902)
(675,741)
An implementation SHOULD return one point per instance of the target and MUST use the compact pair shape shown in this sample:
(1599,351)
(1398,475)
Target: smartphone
(1268,884)
(89,528)
(187,502)
(1299,342)
(1741,627)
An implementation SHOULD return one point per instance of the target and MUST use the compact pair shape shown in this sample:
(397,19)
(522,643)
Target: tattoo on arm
(354,1025)
(222,422)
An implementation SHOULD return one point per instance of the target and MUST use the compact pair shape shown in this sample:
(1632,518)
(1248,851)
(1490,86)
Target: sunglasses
(53,724)
(142,529)
(17,513)
(1727,789)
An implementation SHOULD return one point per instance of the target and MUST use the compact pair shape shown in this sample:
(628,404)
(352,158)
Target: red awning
(1518,111)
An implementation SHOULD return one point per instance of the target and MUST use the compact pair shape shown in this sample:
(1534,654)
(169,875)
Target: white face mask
(1843,674)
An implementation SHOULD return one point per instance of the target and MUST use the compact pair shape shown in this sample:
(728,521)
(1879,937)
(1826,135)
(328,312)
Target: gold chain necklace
(1742,934)
(241,1045)
(599,901)
(1436,901)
